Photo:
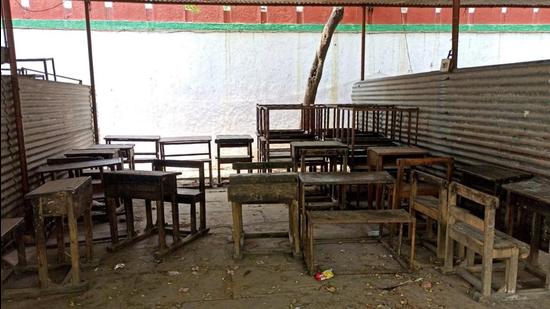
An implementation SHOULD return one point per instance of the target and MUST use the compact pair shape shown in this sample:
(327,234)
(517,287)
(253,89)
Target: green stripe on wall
(118,25)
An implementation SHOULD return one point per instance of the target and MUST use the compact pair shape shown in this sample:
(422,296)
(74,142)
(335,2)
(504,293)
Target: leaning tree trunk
(318,62)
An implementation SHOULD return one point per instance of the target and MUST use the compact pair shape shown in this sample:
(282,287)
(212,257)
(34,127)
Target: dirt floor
(204,274)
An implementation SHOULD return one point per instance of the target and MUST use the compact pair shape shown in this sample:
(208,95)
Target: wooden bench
(280,188)
(390,216)
(13,228)
(479,236)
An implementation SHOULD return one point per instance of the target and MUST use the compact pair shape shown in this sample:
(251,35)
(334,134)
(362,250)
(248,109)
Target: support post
(455,26)
(363,39)
(6,10)
(91,64)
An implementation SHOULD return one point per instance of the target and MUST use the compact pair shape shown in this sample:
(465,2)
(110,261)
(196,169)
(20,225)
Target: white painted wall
(191,83)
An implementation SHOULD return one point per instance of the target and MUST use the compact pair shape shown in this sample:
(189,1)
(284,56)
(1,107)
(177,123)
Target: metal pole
(455,25)
(17,108)
(91,64)
(363,39)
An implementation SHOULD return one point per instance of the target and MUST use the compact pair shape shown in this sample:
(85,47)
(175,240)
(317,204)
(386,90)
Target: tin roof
(395,3)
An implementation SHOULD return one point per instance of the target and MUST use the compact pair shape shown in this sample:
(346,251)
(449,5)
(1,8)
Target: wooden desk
(332,149)
(534,195)
(337,179)
(70,198)
(278,188)
(125,151)
(138,139)
(189,140)
(379,158)
(147,185)
(233,141)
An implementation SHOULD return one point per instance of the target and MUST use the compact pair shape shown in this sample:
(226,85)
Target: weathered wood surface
(360,216)
(234,139)
(112,146)
(182,140)
(537,188)
(494,173)
(346,178)
(116,162)
(106,153)
(132,138)
(316,71)
(262,188)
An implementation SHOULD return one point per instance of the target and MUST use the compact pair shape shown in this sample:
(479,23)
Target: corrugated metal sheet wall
(56,117)
(496,114)
(11,172)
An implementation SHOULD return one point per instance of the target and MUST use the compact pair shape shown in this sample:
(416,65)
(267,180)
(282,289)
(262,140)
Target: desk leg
(73,236)
(293,227)
(148,216)
(40,241)
(60,240)
(413,243)
(210,177)
(20,242)
(509,214)
(302,213)
(111,210)
(160,223)
(129,210)
(202,205)
(88,230)
(536,231)
(218,163)
(175,220)
(237,211)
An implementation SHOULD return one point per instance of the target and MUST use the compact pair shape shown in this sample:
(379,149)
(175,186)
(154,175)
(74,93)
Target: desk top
(346,178)
(133,138)
(108,152)
(186,139)
(62,185)
(112,146)
(494,173)
(138,173)
(537,188)
(243,138)
(8,224)
(317,144)
(78,165)
(398,151)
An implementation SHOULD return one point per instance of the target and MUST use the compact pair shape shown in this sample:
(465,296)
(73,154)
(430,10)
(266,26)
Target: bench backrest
(161,165)
(262,167)
(488,202)
(404,164)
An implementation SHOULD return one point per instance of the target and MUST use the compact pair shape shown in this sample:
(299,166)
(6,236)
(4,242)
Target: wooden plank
(494,173)
(183,140)
(79,165)
(9,224)
(346,178)
(132,138)
(360,216)
(69,185)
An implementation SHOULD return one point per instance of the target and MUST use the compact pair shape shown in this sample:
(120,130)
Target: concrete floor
(204,275)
